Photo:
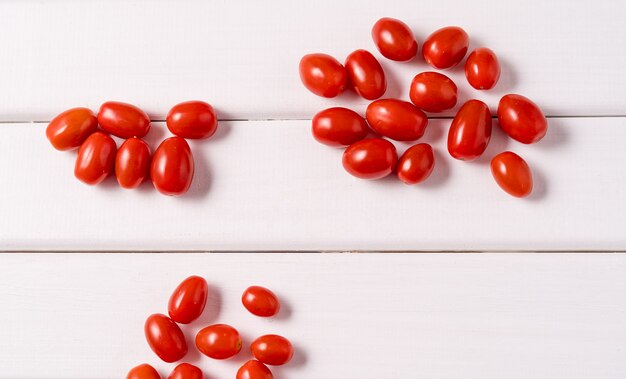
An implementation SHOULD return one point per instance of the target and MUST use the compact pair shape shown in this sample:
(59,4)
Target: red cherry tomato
(323,75)
(143,371)
(188,300)
(470,131)
(446,47)
(254,370)
(123,120)
(96,158)
(186,371)
(338,127)
(260,301)
(366,75)
(71,128)
(396,119)
(482,68)
(416,164)
(521,119)
(219,341)
(172,167)
(192,119)
(512,174)
(272,349)
(433,92)
(132,163)
(394,39)
(371,158)
(165,338)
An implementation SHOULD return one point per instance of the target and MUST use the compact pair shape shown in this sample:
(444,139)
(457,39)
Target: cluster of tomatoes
(171,167)
(219,341)
(470,131)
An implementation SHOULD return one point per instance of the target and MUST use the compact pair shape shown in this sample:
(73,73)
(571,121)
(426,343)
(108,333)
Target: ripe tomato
(219,341)
(521,119)
(394,39)
(338,127)
(123,120)
(272,349)
(186,371)
(165,338)
(396,119)
(323,75)
(470,131)
(260,301)
(188,300)
(254,369)
(445,47)
(143,371)
(172,167)
(416,164)
(96,158)
(71,128)
(433,92)
(132,163)
(192,119)
(371,158)
(366,75)
(482,68)
(512,174)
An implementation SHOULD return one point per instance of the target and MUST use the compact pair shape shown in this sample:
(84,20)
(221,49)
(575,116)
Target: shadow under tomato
(297,362)
(394,84)
(440,174)
(202,178)
(540,184)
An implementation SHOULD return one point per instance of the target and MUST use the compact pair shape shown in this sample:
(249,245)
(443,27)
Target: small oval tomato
(71,128)
(132,163)
(433,92)
(323,75)
(396,119)
(123,120)
(165,338)
(482,68)
(366,75)
(254,369)
(416,164)
(470,131)
(338,127)
(192,119)
(96,158)
(260,301)
(521,119)
(445,47)
(394,39)
(272,349)
(512,174)
(188,300)
(172,167)
(219,341)
(371,158)
(186,371)
(143,371)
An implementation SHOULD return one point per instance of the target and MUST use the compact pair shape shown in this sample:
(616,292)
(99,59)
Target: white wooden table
(263,184)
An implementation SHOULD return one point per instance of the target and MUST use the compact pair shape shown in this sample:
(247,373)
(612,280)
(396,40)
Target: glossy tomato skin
(338,127)
(445,47)
(512,174)
(123,120)
(254,369)
(482,69)
(396,119)
(70,129)
(132,163)
(272,349)
(165,338)
(260,301)
(416,164)
(433,92)
(186,371)
(219,341)
(323,75)
(96,158)
(365,74)
(394,39)
(188,300)
(521,119)
(172,167)
(372,158)
(192,120)
(470,131)
(143,371)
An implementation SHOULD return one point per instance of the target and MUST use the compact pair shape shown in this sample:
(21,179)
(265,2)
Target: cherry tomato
(96,158)
(260,301)
(512,174)
(272,349)
(482,68)
(446,47)
(132,163)
(192,119)
(433,92)
(366,75)
(186,371)
(396,119)
(254,369)
(416,164)
(371,158)
(172,167)
(338,127)
(143,371)
(521,119)
(323,75)
(219,341)
(123,120)
(394,39)
(165,338)
(70,129)
(470,131)
(188,300)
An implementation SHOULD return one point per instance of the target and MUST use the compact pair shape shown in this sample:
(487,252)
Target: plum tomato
(338,127)
(172,167)
(192,120)
(123,120)
(254,369)
(323,75)
(165,338)
(482,69)
(70,129)
(272,349)
(186,371)
(394,39)
(521,119)
(143,371)
(445,47)
(188,300)
(512,174)
(371,158)
(96,158)
(260,301)
(365,74)
(219,341)
(433,92)
(470,131)
(132,163)
(416,164)
(396,119)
